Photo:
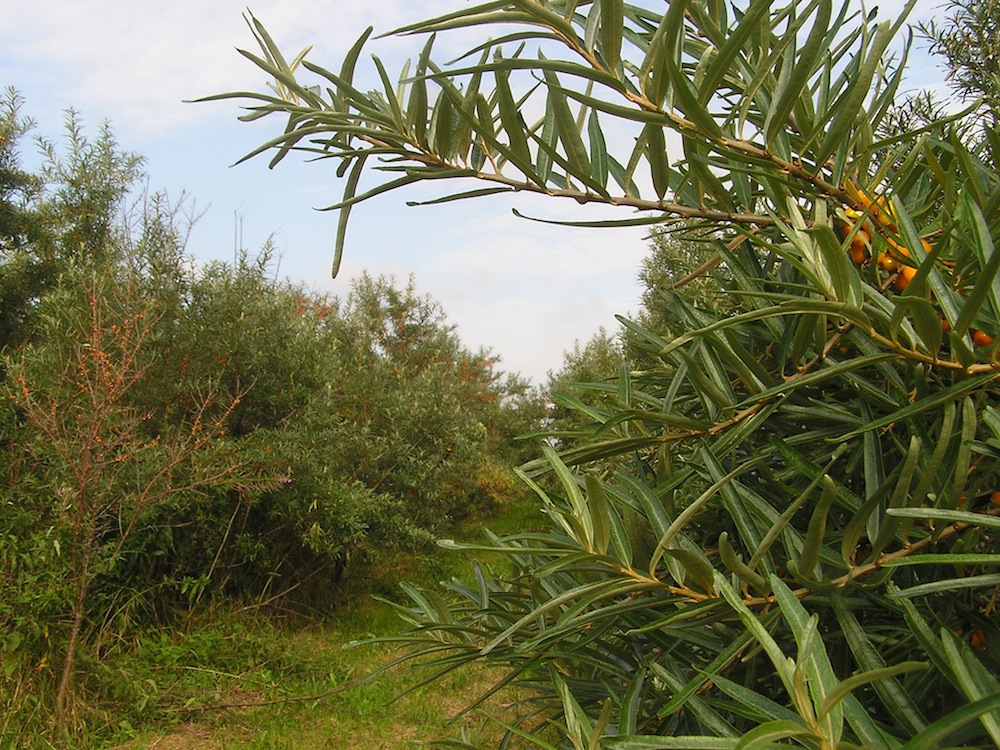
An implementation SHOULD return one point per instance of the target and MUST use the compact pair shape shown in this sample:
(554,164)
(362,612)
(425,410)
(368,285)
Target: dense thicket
(175,433)
(801,548)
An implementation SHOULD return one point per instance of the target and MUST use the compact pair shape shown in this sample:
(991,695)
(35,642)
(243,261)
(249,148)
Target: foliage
(967,40)
(173,435)
(237,677)
(679,261)
(93,471)
(807,555)
(584,384)
(22,276)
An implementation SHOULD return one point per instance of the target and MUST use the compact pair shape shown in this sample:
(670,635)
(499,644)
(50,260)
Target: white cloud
(526,290)
(135,62)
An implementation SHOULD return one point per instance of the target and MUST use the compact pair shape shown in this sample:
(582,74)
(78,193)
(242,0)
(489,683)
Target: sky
(526,291)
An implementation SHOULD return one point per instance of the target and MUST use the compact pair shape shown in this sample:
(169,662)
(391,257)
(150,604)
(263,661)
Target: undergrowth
(251,677)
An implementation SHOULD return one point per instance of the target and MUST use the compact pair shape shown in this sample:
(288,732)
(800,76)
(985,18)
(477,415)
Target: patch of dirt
(189,737)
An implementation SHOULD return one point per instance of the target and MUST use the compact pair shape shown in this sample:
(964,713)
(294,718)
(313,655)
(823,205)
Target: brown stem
(82,585)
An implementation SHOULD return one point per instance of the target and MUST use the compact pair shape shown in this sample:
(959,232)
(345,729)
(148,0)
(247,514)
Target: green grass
(243,680)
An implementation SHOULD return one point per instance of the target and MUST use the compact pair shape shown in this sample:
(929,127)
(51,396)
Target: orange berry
(887,263)
(896,249)
(978,640)
(904,277)
(884,213)
(995,497)
(981,338)
(859,250)
(945,325)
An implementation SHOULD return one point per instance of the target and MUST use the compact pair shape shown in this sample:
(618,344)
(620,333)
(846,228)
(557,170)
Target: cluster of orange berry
(896,257)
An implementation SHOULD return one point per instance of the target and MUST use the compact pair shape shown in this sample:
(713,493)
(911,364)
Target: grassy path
(216,697)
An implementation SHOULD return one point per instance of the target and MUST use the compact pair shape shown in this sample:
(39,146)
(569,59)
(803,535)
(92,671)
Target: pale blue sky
(525,290)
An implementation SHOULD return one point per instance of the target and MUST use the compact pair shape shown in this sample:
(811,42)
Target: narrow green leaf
(685,516)
(481,124)
(964,559)
(950,584)
(948,516)
(750,24)
(687,100)
(650,502)
(843,276)
(795,86)
(696,564)
(411,177)
(849,105)
(599,509)
(546,17)
(349,189)
(678,742)
(654,77)
(987,284)
(612,32)
(271,49)
(931,401)
(864,678)
(894,697)
(548,135)
(813,661)
(510,118)
(390,95)
(442,128)
(709,719)
(975,680)
(598,150)
(468,15)
(791,307)
(656,155)
(761,707)
(933,465)
(565,124)
(771,732)
(416,110)
(936,734)
(782,664)
(829,370)
(900,496)
(578,505)
(708,674)
(742,571)
(631,704)
(815,536)
(785,518)
(481,192)
(706,386)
